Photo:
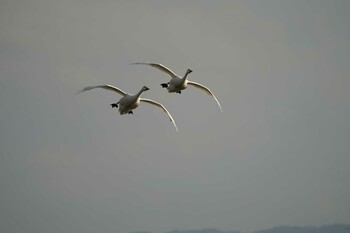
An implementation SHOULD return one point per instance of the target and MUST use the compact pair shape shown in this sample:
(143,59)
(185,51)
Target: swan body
(129,102)
(178,83)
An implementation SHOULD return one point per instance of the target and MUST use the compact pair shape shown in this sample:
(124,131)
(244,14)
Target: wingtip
(79,91)
(173,121)
(139,63)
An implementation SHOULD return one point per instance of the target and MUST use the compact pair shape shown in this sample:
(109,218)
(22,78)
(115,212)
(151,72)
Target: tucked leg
(164,85)
(115,105)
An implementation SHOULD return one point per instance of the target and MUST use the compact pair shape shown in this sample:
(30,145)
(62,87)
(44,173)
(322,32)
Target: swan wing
(159,67)
(161,107)
(204,88)
(107,87)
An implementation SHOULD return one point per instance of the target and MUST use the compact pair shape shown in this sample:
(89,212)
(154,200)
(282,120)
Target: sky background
(279,154)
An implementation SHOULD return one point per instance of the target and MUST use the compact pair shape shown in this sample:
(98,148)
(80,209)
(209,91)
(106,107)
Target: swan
(177,83)
(129,102)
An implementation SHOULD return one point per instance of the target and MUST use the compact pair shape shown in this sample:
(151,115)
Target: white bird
(177,83)
(129,102)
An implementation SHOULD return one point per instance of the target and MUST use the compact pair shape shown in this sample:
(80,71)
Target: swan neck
(139,93)
(185,76)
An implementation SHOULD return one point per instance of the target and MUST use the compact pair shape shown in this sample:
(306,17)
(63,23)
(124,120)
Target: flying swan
(129,102)
(177,83)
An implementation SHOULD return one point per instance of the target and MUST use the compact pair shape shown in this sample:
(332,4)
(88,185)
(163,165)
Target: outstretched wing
(204,88)
(107,87)
(161,107)
(158,66)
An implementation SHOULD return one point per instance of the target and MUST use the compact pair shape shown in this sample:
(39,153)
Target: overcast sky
(279,154)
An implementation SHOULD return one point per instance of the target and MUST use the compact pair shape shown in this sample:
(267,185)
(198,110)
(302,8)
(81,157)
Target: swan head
(144,88)
(187,72)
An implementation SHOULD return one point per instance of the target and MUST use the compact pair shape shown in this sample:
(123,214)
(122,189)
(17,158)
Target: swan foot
(178,92)
(164,85)
(130,112)
(115,105)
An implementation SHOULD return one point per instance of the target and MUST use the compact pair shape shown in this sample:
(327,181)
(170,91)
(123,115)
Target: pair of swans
(129,102)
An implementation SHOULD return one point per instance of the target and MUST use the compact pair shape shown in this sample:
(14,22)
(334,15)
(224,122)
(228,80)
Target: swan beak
(144,88)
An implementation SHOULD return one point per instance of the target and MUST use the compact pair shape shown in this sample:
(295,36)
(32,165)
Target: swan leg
(115,105)
(130,112)
(164,85)
(178,92)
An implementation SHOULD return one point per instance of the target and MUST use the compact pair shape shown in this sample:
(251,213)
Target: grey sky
(278,154)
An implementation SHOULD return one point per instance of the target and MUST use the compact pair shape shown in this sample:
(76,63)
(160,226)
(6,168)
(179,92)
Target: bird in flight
(178,83)
(129,102)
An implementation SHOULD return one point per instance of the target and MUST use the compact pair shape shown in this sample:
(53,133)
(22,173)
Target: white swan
(129,102)
(177,83)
